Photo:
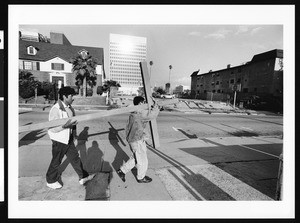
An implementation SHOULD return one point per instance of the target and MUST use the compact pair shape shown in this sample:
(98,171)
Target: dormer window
(31,50)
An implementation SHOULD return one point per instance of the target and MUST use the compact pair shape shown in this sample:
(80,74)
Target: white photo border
(143,14)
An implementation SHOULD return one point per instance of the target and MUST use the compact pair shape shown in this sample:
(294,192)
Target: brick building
(48,59)
(262,76)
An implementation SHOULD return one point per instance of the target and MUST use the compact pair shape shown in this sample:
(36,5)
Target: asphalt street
(176,124)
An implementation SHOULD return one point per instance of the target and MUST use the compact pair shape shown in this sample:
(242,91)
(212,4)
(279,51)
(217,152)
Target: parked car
(156,95)
(169,96)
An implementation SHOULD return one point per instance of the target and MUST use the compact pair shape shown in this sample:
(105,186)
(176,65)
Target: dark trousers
(58,152)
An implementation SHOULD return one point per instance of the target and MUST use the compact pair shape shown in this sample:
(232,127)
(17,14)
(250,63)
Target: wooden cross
(148,95)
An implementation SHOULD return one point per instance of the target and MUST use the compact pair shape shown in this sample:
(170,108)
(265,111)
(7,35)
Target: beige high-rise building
(125,53)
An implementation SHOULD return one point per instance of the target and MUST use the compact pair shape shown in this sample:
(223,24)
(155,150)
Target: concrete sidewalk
(184,169)
(102,157)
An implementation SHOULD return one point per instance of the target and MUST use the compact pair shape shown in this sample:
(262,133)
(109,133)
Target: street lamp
(151,63)
(170,67)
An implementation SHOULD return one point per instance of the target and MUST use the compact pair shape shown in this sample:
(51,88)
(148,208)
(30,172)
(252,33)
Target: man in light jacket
(63,140)
(136,135)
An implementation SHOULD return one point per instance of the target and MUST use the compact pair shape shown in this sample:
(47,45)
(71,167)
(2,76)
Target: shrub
(45,88)
(89,92)
(27,84)
(76,89)
(26,90)
(99,90)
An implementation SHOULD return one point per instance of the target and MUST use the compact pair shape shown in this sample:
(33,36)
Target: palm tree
(84,67)
(151,63)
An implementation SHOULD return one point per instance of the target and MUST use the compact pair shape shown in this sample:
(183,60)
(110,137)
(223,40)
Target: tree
(160,90)
(106,87)
(193,94)
(27,84)
(84,67)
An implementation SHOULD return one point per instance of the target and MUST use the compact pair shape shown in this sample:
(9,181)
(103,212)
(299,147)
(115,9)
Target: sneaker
(86,179)
(146,179)
(55,185)
(121,175)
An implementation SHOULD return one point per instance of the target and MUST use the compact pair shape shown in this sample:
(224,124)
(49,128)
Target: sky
(187,48)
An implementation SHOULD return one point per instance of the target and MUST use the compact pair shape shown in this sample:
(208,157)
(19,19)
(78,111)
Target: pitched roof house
(49,60)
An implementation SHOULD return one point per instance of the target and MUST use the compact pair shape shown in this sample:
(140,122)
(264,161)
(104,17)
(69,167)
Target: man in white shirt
(62,138)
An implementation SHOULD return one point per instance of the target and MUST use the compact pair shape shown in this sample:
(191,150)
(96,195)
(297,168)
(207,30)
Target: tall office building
(125,53)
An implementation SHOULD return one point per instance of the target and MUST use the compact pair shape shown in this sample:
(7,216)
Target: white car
(169,96)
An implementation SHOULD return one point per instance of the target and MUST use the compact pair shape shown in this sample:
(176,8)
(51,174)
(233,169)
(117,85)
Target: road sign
(236,87)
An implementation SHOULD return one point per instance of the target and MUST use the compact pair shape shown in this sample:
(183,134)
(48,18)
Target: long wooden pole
(97,115)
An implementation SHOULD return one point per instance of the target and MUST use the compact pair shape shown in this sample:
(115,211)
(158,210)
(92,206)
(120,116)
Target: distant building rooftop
(276,53)
(268,55)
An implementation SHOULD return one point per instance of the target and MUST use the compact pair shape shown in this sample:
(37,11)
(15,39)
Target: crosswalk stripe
(180,189)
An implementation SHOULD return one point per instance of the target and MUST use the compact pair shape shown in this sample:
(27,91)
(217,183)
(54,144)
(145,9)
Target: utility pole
(170,67)
(35,96)
(234,99)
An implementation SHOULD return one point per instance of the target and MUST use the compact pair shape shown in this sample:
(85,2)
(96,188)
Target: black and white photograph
(158,111)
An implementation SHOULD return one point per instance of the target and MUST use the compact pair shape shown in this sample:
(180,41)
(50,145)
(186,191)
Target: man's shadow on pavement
(91,158)
(31,137)
(81,144)
(114,139)
(94,159)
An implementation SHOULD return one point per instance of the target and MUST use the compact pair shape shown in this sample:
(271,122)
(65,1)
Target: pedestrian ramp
(219,168)
(206,182)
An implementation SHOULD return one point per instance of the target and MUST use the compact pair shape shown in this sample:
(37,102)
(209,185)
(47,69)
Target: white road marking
(247,128)
(176,129)
(247,147)
(180,189)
